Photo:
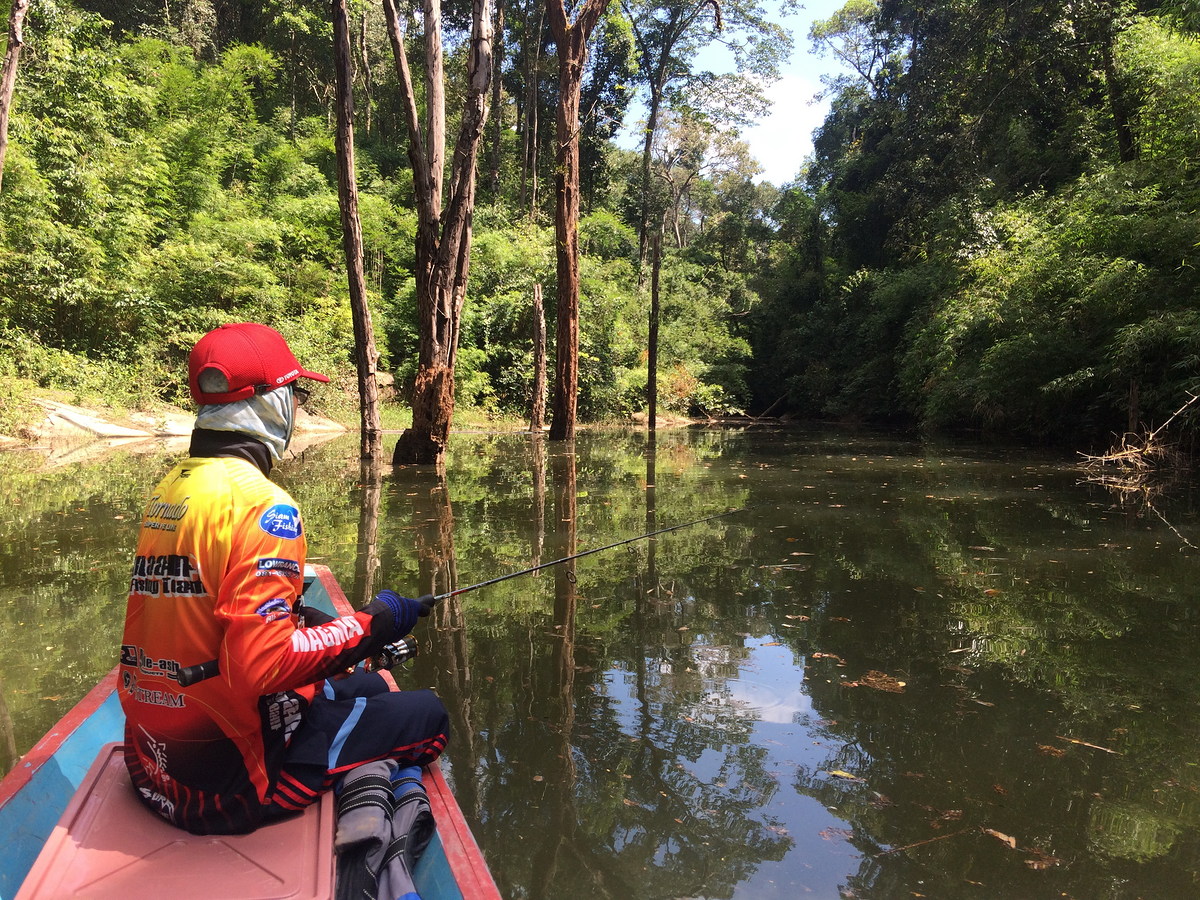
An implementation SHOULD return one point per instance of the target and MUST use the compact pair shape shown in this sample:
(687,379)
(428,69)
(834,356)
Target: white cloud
(783,140)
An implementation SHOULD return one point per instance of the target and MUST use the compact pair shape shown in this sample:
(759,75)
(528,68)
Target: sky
(783,140)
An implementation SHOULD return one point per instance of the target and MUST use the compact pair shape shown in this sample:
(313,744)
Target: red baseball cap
(250,356)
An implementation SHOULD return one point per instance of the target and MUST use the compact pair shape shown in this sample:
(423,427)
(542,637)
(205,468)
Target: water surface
(899,669)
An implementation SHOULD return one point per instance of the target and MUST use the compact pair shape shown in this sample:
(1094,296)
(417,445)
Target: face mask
(269,417)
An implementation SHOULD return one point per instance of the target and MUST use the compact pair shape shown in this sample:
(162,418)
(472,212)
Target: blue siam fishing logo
(282,521)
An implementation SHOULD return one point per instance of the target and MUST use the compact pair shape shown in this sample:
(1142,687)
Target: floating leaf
(838,773)
(840,834)
(1002,837)
(1041,860)
(880,681)
(1085,744)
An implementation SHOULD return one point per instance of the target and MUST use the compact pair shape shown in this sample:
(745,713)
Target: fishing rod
(583,553)
(405,648)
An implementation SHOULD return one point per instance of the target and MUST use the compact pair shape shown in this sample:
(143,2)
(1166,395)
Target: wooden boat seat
(108,845)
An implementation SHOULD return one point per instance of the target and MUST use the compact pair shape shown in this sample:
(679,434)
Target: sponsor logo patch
(149,696)
(331,634)
(281,521)
(283,711)
(165,576)
(135,657)
(288,568)
(274,610)
(164,516)
(160,801)
(158,750)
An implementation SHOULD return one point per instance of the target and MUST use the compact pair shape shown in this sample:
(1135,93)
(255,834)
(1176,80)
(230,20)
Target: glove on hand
(427,602)
(405,611)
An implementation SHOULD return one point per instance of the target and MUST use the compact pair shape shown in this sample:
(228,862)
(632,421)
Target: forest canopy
(997,228)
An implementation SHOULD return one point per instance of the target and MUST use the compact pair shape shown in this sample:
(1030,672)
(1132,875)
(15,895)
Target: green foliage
(159,184)
(148,198)
(1163,68)
(996,232)
(1076,297)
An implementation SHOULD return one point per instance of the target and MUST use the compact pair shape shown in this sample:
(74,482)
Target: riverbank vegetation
(997,229)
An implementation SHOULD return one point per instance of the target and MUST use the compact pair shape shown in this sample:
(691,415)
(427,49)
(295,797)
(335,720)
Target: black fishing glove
(427,602)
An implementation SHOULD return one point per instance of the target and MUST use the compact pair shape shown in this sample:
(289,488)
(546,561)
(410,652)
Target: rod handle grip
(189,675)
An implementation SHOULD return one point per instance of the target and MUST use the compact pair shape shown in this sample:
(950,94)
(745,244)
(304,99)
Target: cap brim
(315,376)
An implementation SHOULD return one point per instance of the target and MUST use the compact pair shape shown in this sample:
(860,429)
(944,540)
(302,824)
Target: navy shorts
(354,720)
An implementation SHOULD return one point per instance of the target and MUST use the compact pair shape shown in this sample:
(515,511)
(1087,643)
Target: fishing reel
(393,654)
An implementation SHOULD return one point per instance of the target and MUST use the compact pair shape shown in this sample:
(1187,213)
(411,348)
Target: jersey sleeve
(265,649)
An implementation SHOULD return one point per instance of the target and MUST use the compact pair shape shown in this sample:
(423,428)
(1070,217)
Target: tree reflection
(650,791)
(7,734)
(607,741)
(537,446)
(366,568)
(560,777)
(446,629)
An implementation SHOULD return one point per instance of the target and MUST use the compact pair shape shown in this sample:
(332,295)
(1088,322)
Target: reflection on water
(901,670)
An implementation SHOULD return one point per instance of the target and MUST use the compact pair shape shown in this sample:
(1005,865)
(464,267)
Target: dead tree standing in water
(443,244)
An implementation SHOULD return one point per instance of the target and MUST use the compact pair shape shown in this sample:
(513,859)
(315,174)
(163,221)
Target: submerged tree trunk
(365,357)
(571,44)
(443,241)
(8,76)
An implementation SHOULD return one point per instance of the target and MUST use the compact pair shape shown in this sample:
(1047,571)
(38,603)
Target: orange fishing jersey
(217,575)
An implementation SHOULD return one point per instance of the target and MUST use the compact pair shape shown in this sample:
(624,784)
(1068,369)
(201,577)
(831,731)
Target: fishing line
(583,553)
(189,675)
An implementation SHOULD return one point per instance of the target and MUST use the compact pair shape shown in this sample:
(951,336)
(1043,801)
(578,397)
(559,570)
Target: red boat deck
(108,845)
